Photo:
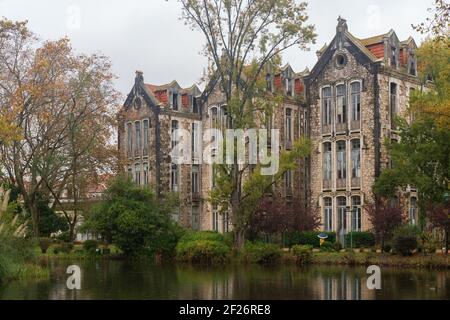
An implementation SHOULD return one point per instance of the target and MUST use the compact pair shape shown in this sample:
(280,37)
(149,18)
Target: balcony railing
(356,182)
(327,184)
(341,183)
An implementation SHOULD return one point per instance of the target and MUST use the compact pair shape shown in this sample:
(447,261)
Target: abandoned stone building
(347,105)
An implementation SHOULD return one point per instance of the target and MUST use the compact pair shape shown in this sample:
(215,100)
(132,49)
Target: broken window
(341,105)
(393,105)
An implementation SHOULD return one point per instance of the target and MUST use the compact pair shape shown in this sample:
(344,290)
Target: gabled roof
(154,88)
(361,46)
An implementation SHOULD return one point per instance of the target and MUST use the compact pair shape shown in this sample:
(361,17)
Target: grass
(77,253)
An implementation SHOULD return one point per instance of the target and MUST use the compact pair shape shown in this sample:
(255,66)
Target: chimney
(139,77)
(342,25)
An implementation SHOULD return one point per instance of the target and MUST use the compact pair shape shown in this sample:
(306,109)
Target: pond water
(106,280)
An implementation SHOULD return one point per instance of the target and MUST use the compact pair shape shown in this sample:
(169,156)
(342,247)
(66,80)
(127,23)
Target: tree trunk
(34,211)
(239,239)
(72,231)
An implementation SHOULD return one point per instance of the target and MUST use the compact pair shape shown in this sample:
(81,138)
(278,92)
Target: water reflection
(142,281)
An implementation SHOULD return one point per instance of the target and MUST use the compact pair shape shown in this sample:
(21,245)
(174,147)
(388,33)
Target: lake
(125,280)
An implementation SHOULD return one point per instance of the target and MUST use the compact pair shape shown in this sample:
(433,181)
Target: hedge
(360,239)
(307,238)
(262,253)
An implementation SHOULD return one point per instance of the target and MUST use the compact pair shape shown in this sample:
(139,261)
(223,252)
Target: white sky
(147,35)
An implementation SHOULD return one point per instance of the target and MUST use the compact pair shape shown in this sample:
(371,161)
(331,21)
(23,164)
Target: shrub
(327,247)
(66,247)
(360,239)
(262,253)
(387,247)
(349,258)
(15,253)
(90,246)
(307,238)
(337,246)
(405,240)
(44,244)
(202,251)
(303,254)
(202,235)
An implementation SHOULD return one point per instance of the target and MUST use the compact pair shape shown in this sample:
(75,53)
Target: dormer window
(174,101)
(412,68)
(394,56)
(269,82)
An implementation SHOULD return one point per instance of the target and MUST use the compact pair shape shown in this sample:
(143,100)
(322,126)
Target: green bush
(327,247)
(202,251)
(360,239)
(303,254)
(202,235)
(90,246)
(405,240)
(66,247)
(44,244)
(262,253)
(15,253)
(307,238)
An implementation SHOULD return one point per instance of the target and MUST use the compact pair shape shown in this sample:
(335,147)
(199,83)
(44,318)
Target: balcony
(355,125)
(196,197)
(341,183)
(326,129)
(356,183)
(341,127)
(327,184)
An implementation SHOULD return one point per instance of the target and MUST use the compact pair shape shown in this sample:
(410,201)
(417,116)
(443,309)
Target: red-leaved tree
(278,215)
(439,217)
(385,217)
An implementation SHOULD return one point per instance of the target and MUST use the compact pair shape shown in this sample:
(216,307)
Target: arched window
(413,210)
(327,166)
(356,106)
(146,136)
(342,214)
(138,139)
(328,214)
(327,112)
(341,158)
(130,140)
(341,108)
(356,213)
(356,163)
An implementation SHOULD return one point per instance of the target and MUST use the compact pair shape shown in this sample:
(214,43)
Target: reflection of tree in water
(141,280)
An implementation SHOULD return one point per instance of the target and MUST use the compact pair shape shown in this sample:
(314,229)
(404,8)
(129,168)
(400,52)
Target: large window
(341,156)
(195,218)
(356,213)
(356,106)
(174,135)
(356,163)
(342,213)
(288,127)
(341,108)
(130,140)
(214,116)
(327,165)
(327,113)
(138,139)
(225,223)
(195,180)
(174,178)
(393,56)
(174,101)
(195,136)
(145,173)
(328,214)
(393,105)
(413,210)
(137,174)
(146,137)
(288,182)
(215,219)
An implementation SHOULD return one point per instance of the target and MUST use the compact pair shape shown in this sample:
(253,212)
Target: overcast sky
(147,35)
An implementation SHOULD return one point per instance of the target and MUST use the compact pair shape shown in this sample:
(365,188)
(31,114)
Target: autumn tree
(384,216)
(278,215)
(57,101)
(438,25)
(242,38)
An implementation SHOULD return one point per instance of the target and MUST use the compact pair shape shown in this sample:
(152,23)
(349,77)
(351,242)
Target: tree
(277,215)
(49,221)
(438,24)
(53,96)
(242,39)
(384,217)
(439,217)
(434,63)
(134,219)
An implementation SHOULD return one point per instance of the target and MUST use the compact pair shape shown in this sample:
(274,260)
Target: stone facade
(347,105)
(355,93)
